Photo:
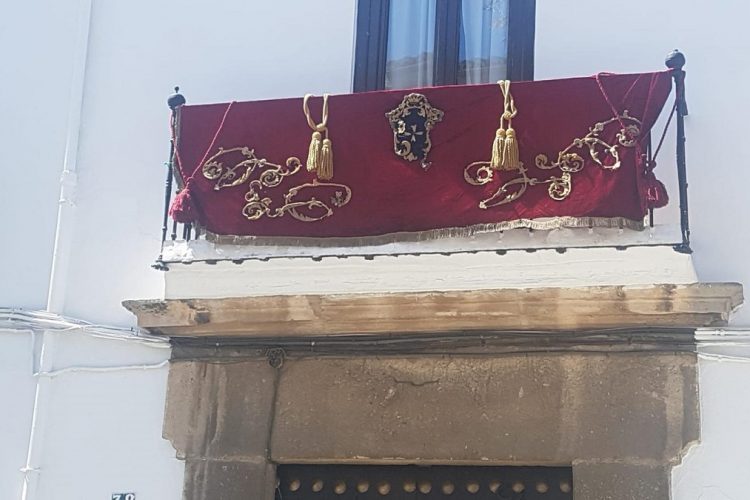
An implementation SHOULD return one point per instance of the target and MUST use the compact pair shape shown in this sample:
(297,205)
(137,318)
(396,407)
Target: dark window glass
(410,56)
(483,48)
(419,43)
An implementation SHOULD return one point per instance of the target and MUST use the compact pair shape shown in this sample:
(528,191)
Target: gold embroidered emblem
(412,122)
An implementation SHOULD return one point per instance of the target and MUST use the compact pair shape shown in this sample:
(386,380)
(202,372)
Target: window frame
(371,42)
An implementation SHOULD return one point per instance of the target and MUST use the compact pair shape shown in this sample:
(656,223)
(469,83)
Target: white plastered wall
(83,416)
(255,49)
(36,49)
(713,470)
(99,432)
(17,394)
(234,49)
(588,36)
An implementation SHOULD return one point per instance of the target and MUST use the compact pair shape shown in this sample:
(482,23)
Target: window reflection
(483,43)
(483,52)
(411,44)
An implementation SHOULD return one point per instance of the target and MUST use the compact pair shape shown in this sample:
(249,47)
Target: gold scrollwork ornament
(568,162)
(230,170)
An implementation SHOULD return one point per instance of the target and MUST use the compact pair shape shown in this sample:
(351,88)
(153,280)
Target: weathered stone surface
(685,306)
(228,480)
(219,410)
(517,409)
(620,418)
(620,481)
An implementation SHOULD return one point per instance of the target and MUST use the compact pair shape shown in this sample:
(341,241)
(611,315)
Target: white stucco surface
(138,50)
(17,394)
(417,273)
(591,36)
(714,468)
(100,432)
(90,410)
(34,92)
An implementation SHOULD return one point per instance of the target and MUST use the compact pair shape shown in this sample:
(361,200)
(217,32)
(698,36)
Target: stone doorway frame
(603,379)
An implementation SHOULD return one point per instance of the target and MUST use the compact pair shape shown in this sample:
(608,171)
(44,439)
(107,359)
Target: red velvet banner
(579,140)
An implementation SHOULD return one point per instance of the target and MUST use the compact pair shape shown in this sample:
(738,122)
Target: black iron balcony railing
(675,61)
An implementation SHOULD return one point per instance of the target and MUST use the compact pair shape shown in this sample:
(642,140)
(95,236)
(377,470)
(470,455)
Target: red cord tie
(184,208)
(656,192)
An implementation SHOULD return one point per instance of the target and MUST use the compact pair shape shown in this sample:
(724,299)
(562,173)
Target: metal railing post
(174,102)
(675,61)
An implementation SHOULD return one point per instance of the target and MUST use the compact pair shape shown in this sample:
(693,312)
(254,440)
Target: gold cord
(320,152)
(505,145)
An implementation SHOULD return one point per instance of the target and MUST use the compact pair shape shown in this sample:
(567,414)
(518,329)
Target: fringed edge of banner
(541,224)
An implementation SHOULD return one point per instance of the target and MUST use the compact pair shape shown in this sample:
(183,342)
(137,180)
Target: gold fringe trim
(542,224)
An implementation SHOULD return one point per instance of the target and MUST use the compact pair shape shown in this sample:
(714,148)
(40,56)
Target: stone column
(218,418)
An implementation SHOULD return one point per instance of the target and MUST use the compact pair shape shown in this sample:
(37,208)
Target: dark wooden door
(396,482)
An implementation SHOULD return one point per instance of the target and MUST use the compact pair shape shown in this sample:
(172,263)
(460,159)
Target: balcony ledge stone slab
(671,306)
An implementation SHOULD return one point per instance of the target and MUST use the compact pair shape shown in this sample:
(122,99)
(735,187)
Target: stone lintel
(686,306)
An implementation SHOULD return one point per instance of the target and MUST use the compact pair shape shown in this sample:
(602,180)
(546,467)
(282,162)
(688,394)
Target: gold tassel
(313,153)
(320,154)
(510,150)
(498,144)
(325,170)
(505,154)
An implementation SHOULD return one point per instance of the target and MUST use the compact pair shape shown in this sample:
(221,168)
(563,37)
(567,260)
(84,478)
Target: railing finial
(176,100)
(675,60)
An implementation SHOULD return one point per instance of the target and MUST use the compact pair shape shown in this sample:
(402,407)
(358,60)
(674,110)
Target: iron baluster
(187,230)
(174,102)
(675,61)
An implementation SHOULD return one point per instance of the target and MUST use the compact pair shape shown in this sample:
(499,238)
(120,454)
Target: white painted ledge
(435,272)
